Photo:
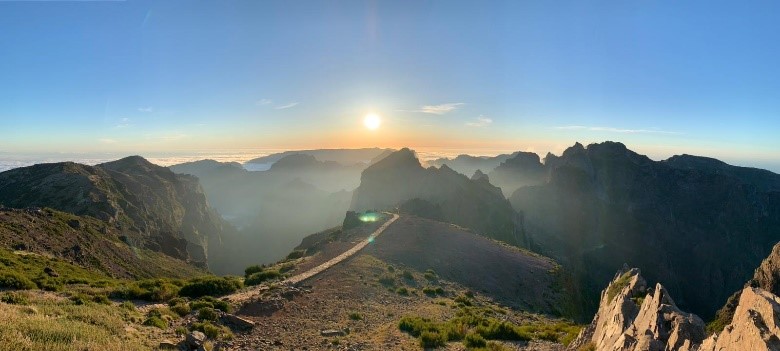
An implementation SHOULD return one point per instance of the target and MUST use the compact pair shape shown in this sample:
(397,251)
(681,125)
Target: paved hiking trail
(255,291)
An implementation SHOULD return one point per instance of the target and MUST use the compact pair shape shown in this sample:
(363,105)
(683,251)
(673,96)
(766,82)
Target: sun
(372,121)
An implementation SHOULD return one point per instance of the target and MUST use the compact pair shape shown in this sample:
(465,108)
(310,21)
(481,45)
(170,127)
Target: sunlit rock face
(632,318)
(399,179)
(754,325)
(680,221)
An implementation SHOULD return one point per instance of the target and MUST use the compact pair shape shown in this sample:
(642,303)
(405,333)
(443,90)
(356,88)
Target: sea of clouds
(10,160)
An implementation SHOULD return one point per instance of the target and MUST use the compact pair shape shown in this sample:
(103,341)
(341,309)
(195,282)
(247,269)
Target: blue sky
(664,77)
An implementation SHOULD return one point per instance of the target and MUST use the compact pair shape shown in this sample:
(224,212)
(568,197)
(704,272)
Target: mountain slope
(475,204)
(85,242)
(150,206)
(605,205)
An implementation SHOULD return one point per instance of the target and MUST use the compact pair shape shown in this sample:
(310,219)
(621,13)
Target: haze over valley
(389,175)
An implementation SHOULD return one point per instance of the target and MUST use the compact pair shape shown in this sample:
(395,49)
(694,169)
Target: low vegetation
(475,325)
(616,287)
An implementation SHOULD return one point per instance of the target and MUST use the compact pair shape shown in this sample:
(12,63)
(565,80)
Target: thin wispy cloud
(290,105)
(145,109)
(123,123)
(440,109)
(107,141)
(481,121)
(617,130)
(263,102)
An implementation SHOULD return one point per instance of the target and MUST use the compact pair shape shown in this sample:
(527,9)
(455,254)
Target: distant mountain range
(467,164)
(346,157)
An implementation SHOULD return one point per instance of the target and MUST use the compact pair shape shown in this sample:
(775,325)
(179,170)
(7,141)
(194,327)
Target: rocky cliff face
(680,222)
(475,204)
(632,318)
(523,169)
(148,205)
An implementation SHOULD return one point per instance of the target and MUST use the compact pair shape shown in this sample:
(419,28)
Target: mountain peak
(404,158)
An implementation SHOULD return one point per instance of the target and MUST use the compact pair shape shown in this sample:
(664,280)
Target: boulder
(194,340)
(238,322)
(332,332)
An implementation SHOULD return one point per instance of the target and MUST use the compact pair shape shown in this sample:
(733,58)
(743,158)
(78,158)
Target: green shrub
(253,269)
(212,331)
(127,305)
(101,299)
(588,347)
(286,267)
(198,304)
(616,287)
(390,269)
(402,291)
(45,282)
(355,316)
(387,280)
(207,314)
(210,286)
(177,301)
(502,330)
(13,298)
(155,321)
(296,254)
(430,339)
(430,275)
(473,339)
(407,275)
(180,331)
(16,281)
(260,277)
(182,309)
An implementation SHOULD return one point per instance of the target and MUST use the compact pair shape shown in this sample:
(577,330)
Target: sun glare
(372,121)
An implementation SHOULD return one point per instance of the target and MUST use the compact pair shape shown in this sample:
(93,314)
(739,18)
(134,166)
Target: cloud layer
(617,130)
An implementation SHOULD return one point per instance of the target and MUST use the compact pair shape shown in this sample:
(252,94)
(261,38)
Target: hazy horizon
(10,160)
(133,77)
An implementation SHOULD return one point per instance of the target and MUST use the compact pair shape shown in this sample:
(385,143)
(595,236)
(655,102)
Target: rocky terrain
(357,304)
(476,204)
(680,221)
(150,206)
(632,317)
(85,242)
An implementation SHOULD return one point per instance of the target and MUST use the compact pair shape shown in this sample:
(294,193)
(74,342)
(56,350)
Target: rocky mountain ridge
(400,178)
(150,206)
(604,205)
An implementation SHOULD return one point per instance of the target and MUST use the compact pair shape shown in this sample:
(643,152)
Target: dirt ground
(350,299)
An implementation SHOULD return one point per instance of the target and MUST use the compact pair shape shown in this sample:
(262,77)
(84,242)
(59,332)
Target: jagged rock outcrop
(453,197)
(657,324)
(683,220)
(149,205)
(523,169)
(755,325)
(632,318)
